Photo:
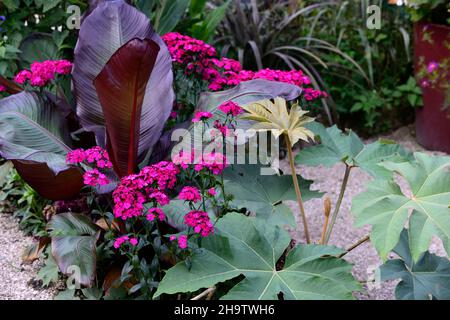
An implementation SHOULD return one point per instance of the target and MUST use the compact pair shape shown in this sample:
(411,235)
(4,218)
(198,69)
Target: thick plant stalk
(327,211)
(297,189)
(338,204)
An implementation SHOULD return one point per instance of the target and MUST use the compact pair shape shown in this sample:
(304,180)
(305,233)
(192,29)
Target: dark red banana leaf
(121,88)
(10,86)
(65,185)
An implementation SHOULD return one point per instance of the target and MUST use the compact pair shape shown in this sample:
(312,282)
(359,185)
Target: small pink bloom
(202,116)
(432,66)
(182,241)
(190,194)
(231,108)
(22,76)
(134,242)
(95,178)
(212,192)
(2,88)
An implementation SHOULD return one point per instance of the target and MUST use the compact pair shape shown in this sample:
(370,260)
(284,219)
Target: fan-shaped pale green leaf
(384,206)
(337,146)
(263,194)
(274,116)
(428,278)
(241,246)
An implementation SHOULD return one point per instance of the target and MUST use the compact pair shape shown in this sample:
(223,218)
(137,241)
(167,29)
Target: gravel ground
(18,281)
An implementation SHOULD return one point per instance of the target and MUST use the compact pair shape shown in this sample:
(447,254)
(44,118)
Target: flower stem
(297,189)
(339,202)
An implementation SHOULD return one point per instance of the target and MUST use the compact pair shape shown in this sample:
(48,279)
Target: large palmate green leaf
(387,208)
(263,194)
(73,245)
(110,26)
(428,278)
(241,246)
(33,134)
(337,146)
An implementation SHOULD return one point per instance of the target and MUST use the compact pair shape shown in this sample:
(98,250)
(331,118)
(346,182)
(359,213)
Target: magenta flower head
(22,76)
(202,116)
(134,242)
(182,242)
(190,194)
(200,222)
(2,88)
(231,108)
(432,66)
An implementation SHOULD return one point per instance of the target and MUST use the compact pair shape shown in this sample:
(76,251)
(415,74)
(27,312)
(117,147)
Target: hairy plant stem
(356,245)
(297,188)
(338,203)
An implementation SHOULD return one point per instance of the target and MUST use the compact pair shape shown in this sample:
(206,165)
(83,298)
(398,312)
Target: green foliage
(337,146)
(429,10)
(23,200)
(49,273)
(243,246)
(375,105)
(425,279)
(387,208)
(196,18)
(264,194)
(27,20)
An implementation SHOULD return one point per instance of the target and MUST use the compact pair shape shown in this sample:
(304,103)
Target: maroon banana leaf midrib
(129,70)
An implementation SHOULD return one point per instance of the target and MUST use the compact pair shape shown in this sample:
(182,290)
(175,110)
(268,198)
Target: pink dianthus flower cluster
(200,222)
(124,239)
(215,162)
(42,73)
(96,157)
(231,108)
(190,194)
(200,58)
(148,185)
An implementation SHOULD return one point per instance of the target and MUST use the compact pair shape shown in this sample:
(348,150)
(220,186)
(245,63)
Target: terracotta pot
(433,120)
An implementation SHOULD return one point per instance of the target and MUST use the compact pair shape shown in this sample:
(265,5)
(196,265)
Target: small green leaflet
(243,246)
(337,146)
(387,208)
(428,278)
(263,194)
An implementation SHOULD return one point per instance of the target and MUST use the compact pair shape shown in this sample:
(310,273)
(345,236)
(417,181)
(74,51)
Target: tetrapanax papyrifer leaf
(242,246)
(121,88)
